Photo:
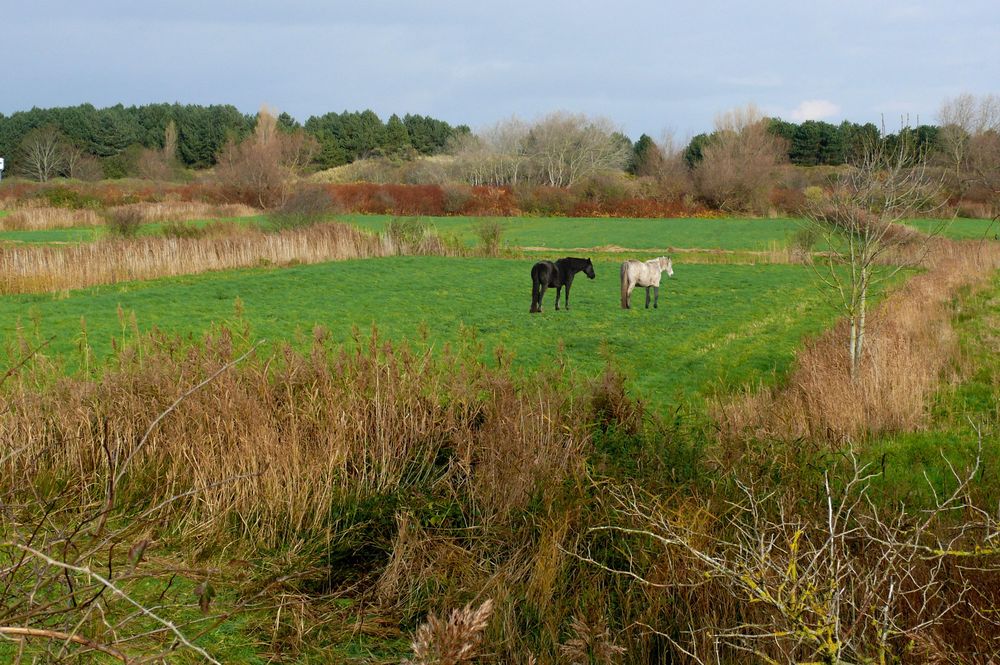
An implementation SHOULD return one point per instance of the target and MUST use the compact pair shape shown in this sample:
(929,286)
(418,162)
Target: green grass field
(568,232)
(733,234)
(718,326)
(959,228)
(688,233)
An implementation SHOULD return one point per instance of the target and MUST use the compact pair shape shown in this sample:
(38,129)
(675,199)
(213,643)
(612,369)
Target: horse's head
(667,265)
(588,270)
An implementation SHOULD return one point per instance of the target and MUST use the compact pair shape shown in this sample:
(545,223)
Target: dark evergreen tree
(693,153)
(287,123)
(640,152)
(397,140)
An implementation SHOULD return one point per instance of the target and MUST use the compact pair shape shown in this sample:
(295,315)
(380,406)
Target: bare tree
(969,127)
(42,153)
(566,148)
(80,165)
(497,156)
(558,151)
(159,164)
(259,170)
(860,222)
(740,162)
(668,168)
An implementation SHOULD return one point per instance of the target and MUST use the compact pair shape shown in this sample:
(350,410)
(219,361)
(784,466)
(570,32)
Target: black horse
(559,274)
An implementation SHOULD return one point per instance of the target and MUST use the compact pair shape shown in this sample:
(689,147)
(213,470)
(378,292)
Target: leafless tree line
(559,150)
(45,153)
(969,145)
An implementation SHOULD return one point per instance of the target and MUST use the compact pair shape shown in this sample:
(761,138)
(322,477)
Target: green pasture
(570,232)
(959,228)
(557,233)
(718,326)
(729,233)
(53,236)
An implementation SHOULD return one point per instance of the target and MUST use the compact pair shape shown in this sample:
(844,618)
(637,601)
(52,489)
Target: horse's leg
(541,295)
(558,290)
(647,297)
(568,284)
(628,295)
(656,299)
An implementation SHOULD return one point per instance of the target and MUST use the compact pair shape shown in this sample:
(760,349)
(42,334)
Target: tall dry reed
(35,217)
(37,269)
(910,342)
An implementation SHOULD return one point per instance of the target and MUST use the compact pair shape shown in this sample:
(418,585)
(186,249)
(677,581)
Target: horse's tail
(624,277)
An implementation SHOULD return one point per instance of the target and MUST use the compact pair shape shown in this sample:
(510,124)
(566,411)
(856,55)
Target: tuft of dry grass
(451,642)
(591,644)
(910,343)
(39,269)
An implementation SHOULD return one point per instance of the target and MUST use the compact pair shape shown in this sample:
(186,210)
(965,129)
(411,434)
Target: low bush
(123,221)
(304,207)
(490,234)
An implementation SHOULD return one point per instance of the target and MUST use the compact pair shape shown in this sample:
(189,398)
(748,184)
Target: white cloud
(814,109)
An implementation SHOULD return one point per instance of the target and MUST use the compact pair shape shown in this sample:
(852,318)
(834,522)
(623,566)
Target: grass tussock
(37,218)
(910,344)
(38,269)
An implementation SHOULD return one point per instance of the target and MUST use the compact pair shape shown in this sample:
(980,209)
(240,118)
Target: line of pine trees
(818,143)
(117,134)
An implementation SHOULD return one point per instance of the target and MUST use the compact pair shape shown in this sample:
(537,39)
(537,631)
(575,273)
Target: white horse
(647,274)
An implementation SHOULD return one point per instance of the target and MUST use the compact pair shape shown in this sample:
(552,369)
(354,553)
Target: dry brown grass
(33,217)
(38,269)
(307,431)
(910,343)
(408,478)
(451,642)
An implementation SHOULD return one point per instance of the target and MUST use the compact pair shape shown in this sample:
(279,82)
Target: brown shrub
(123,222)
(740,163)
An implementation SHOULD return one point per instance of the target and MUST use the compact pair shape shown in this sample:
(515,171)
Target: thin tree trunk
(862,311)
(853,345)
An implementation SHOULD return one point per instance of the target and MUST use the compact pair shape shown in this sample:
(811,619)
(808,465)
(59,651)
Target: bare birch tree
(42,153)
(860,222)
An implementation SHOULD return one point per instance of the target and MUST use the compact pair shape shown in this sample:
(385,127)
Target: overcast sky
(647,65)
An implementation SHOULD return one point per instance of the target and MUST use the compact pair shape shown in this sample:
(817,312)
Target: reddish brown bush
(787,200)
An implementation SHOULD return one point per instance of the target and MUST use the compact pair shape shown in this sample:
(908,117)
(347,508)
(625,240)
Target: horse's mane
(574,261)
